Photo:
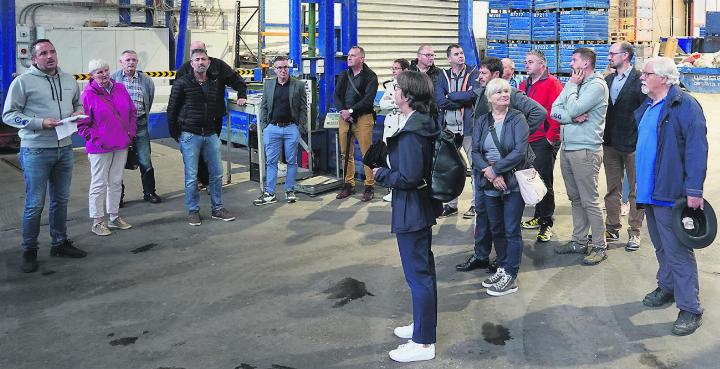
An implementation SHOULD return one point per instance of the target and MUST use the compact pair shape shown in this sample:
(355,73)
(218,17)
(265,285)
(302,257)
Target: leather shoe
(368,194)
(152,197)
(472,263)
(347,191)
(658,298)
(686,323)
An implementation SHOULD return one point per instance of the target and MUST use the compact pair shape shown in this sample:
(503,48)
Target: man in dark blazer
(619,139)
(282,111)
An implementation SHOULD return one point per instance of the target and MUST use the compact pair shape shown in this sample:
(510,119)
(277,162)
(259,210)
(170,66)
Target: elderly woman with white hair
(500,147)
(108,132)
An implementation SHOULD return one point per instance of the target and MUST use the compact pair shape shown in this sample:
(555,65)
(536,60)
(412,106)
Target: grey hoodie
(34,96)
(590,97)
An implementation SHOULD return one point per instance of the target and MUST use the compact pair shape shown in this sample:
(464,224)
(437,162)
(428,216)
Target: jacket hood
(421,124)
(37,72)
(595,78)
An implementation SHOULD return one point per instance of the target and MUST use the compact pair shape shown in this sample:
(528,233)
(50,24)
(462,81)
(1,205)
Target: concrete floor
(254,293)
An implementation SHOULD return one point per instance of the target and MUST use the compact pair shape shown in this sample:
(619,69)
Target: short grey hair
(495,85)
(509,61)
(96,64)
(665,67)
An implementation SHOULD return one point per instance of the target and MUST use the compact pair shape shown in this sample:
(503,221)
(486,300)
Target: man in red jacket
(544,88)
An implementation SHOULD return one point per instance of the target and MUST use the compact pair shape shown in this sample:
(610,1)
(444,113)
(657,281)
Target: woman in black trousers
(410,153)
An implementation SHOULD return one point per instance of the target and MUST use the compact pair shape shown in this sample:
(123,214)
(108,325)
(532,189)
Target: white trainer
(412,351)
(388,197)
(405,332)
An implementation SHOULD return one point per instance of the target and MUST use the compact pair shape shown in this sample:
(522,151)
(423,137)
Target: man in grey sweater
(36,103)
(581,109)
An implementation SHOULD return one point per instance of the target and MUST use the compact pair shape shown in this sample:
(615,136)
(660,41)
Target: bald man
(225,76)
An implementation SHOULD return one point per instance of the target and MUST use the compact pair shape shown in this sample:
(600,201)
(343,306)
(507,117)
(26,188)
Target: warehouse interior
(319,283)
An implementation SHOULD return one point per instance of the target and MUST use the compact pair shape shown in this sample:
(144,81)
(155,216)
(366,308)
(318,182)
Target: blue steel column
(295,21)
(7,48)
(124,12)
(327,31)
(349,25)
(466,36)
(180,47)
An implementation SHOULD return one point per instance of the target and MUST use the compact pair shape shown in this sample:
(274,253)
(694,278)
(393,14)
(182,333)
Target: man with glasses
(455,97)
(671,162)
(619,141)
(544,88)
(282,111)
(425,62)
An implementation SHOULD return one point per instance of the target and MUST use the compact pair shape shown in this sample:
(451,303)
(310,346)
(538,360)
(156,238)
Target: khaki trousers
(580,171)
(362,130)
(616,163)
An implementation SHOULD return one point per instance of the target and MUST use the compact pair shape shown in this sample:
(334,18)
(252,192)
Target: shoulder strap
(494,135)
(352,84)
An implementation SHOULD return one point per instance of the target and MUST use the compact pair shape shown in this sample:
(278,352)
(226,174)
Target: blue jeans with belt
(191,145)
(46,170)
(275,137)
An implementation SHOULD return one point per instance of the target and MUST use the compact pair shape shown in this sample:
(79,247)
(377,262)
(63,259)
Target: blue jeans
(191,145)
(482,236)
(505,213)
(142,146)
(418,265)
(275,137)
(46,169)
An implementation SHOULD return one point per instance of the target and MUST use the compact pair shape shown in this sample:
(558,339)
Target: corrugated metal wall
(390,30)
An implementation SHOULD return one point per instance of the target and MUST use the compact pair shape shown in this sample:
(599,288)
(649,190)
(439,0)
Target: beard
(644,89)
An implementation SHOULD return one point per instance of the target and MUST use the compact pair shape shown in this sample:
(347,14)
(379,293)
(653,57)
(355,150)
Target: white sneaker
(101,229)
(388,197)
(412,351)
(405,332)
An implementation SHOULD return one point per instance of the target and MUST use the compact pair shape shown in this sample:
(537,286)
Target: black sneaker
(612,235)
(448,211)
(290,197)
(658,298)
(264,199)
(505,286)
(686,323)
(545,233)
(66,249)
(194,218)
(222,214)
(470,214)
(29,261)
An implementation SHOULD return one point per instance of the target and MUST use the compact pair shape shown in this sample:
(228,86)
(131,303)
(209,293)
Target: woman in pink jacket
(108,131)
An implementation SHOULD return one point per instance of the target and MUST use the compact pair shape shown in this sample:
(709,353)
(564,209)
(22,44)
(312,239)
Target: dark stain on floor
(123,341)
(276,366)
(245,366)
(495,334)
(653,361)
(111,334)
(347,290)
(48,272)
(143,248)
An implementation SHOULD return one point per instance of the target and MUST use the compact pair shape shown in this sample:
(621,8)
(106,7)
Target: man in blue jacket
(455,98)
(671,162)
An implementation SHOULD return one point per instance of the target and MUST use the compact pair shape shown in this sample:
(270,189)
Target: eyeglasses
(613,54)
(645,74)
(427,55)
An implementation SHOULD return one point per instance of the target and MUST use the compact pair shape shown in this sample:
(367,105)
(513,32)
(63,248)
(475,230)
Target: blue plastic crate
(583,25)
(520,24)
(546,4)
(702,31)
(566,50)
(499,4)
(545,26)
(520,4)
(517,52)
(497,26)
(496,49)
(585,4)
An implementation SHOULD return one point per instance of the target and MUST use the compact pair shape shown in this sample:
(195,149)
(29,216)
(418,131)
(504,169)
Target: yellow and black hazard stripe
(167,74)
(82,77)
(160,74)
(246,72)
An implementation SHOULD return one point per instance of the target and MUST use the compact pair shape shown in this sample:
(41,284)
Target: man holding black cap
(671,162)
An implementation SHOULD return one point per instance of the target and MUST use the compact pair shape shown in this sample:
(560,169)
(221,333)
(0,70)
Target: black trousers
(545,155)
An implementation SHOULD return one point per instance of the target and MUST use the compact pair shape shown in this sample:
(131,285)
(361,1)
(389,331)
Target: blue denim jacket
(682,150)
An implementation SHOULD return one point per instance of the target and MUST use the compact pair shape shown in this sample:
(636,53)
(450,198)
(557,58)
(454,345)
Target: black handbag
(376,155)
(132,162)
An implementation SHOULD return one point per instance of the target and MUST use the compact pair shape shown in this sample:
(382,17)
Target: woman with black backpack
(408,172)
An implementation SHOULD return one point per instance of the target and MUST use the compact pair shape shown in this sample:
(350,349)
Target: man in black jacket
(619,139)
(193,122)
(225,76)
(355,99)
(425,62)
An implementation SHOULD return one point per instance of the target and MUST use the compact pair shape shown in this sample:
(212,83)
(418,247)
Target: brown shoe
(347,191)
(369,194)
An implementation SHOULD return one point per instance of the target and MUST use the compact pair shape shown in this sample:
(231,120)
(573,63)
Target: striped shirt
(132,84)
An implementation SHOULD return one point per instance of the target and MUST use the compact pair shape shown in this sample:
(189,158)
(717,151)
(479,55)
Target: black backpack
(448,168)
